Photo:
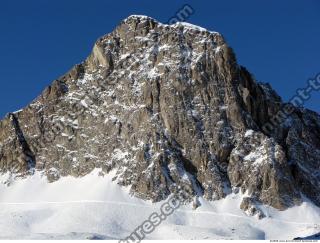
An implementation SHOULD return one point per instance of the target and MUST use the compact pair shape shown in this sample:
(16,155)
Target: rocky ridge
(169,108)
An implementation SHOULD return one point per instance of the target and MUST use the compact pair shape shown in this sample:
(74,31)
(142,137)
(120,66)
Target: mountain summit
(168,108)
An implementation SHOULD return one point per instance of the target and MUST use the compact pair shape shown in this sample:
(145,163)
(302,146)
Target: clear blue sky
(278,41)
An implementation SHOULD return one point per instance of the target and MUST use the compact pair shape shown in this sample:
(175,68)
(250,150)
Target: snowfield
(95,207)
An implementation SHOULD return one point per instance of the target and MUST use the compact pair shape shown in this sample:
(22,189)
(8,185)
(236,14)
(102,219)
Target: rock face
(168,108)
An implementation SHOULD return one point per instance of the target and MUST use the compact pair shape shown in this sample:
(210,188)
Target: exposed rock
(251,208)
(259,166)
(167,107)
(196,203)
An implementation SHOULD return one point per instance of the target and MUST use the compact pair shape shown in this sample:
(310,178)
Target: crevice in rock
(29,155)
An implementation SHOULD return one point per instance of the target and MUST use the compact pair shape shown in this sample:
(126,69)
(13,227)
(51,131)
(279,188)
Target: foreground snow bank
(94,207)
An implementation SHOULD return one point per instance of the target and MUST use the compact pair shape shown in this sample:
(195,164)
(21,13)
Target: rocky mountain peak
(169,109)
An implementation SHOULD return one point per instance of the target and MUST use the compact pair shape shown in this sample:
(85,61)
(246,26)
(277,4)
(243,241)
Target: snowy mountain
(159,110)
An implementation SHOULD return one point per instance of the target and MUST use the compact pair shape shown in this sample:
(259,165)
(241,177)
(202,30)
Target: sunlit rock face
(168,108)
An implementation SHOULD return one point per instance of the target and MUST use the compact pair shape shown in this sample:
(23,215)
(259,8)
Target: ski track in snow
(147,206)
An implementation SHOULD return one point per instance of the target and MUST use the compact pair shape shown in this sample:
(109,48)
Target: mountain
(169,110)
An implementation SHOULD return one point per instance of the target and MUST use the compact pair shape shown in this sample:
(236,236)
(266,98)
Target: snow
(138,16)
(95,207)
(18,111)
(153,73)
(218,48)
(249,133)
(177,24)
(119,155)
(257,157)
(190,26)
(311,237)
(87,78)
(83,103)
(223,107)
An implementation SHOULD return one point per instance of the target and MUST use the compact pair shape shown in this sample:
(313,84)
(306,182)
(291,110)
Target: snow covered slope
(95,207)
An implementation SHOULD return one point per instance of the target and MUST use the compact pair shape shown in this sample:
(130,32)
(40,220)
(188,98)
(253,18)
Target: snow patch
(249,133)
(190,26)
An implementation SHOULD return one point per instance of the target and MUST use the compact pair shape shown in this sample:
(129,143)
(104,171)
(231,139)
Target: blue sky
(278,41)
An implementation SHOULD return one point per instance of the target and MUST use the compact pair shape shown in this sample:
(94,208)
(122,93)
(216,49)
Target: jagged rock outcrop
(167,106)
